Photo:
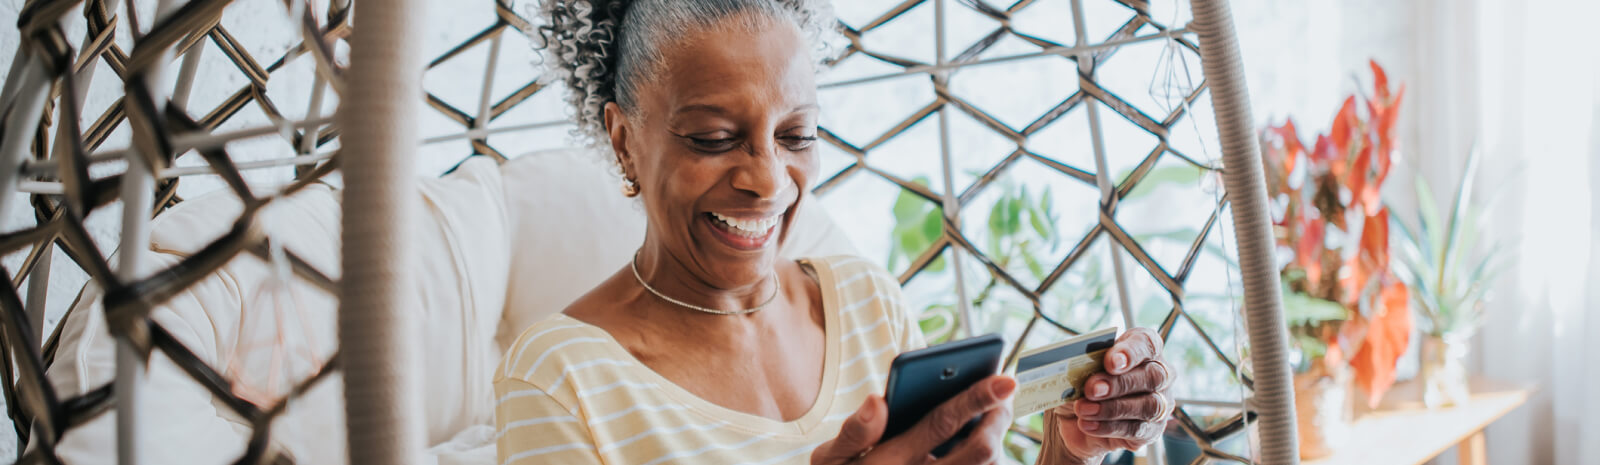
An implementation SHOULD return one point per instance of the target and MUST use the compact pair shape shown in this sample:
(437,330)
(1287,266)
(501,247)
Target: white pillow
(573,229)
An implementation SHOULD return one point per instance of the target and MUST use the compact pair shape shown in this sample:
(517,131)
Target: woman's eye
(798,143)
(713,145)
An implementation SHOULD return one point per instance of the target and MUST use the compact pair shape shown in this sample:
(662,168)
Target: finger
(943,422)
(1148,377)
(1066,411)
(1066,416)
(859,433)
(1142,432)
(1135,347)
(1070,435)
(985,445)
(1141,407)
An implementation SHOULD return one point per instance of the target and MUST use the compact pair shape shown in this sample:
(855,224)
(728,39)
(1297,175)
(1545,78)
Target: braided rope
(378,326)
(1274,394)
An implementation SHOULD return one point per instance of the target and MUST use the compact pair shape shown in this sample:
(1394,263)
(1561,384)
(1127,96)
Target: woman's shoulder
(868,296)
(854,278)
(539,354)
(852,269)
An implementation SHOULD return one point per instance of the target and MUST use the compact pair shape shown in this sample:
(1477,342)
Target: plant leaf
(909,206)
(1178,174)
(1428,212)
(1046,202)
(932,226)
(1033,265)
(1040,227)
(1182,235)
(937,322)
(1311,348)
(997,215)
(1304,310)
(1344,126)
(1458,209)
(1387,338)
(1486,269)
(912,242)
(1014,215)
(1466,242)
(1380,80)
(909,212)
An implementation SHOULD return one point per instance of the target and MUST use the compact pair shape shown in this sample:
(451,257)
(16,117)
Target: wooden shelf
(1403,432)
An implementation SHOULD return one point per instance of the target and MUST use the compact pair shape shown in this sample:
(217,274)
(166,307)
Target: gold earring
(629,188)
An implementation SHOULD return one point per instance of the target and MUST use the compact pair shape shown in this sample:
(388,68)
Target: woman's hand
(857,443)
(1125,407)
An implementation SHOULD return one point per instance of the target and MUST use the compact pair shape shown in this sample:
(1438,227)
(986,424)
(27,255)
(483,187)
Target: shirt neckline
(807,423)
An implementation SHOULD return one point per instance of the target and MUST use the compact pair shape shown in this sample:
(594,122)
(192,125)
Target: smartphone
(921,380)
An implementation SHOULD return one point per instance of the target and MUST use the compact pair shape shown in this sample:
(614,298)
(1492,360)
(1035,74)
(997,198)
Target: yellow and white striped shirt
(570,394)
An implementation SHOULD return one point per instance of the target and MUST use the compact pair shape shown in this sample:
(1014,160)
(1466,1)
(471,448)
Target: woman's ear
(617,129)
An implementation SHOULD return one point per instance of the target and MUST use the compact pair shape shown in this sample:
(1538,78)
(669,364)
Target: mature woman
(708,348)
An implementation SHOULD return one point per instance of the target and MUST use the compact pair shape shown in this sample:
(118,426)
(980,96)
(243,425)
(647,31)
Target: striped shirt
(570,394)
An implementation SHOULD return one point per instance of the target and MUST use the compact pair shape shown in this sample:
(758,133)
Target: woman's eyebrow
(714,109)
(700,107)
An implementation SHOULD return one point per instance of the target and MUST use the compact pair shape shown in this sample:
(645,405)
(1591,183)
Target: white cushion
(499,249)
(573,229)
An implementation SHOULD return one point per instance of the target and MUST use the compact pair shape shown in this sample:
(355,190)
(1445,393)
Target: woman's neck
(686,281)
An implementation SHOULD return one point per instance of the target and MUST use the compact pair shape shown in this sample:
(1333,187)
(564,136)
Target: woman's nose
(762,171)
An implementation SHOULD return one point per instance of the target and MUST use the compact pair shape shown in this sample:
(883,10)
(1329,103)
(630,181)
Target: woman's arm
(1054,451)
(536,429)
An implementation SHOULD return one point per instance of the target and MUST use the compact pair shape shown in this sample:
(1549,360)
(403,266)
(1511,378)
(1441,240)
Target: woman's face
(721,147)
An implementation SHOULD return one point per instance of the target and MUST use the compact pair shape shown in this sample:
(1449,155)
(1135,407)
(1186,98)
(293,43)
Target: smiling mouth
(743,233)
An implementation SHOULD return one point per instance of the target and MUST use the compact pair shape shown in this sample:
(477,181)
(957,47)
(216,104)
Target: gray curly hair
(604,49)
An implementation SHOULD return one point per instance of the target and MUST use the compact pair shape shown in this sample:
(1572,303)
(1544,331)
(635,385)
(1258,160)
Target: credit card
(1054,374)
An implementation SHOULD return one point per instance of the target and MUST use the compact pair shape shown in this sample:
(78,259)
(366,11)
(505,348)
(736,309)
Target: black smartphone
(921,380)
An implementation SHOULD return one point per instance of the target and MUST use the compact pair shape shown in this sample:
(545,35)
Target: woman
(708,348)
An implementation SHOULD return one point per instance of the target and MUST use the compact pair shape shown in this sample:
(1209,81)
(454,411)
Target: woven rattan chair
(369,151)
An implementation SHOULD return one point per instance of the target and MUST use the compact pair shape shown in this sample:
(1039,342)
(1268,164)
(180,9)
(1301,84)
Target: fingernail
(865,412)
(1004,387)
(1119,361)
(1088,409)
(1089,425)
(1101,389)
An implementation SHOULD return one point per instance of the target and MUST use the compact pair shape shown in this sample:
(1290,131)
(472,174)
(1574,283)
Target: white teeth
(749,227)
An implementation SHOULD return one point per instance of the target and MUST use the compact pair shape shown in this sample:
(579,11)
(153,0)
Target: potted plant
(1347,309)
(1449,276)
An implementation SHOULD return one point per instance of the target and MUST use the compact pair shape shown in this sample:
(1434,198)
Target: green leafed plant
(1448,270)
(1020,228)
(917,224)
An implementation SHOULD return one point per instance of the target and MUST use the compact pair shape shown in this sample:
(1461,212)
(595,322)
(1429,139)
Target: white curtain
(1522,80)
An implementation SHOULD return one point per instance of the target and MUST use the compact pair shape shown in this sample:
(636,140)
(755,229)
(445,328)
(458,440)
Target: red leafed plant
(1343,303)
